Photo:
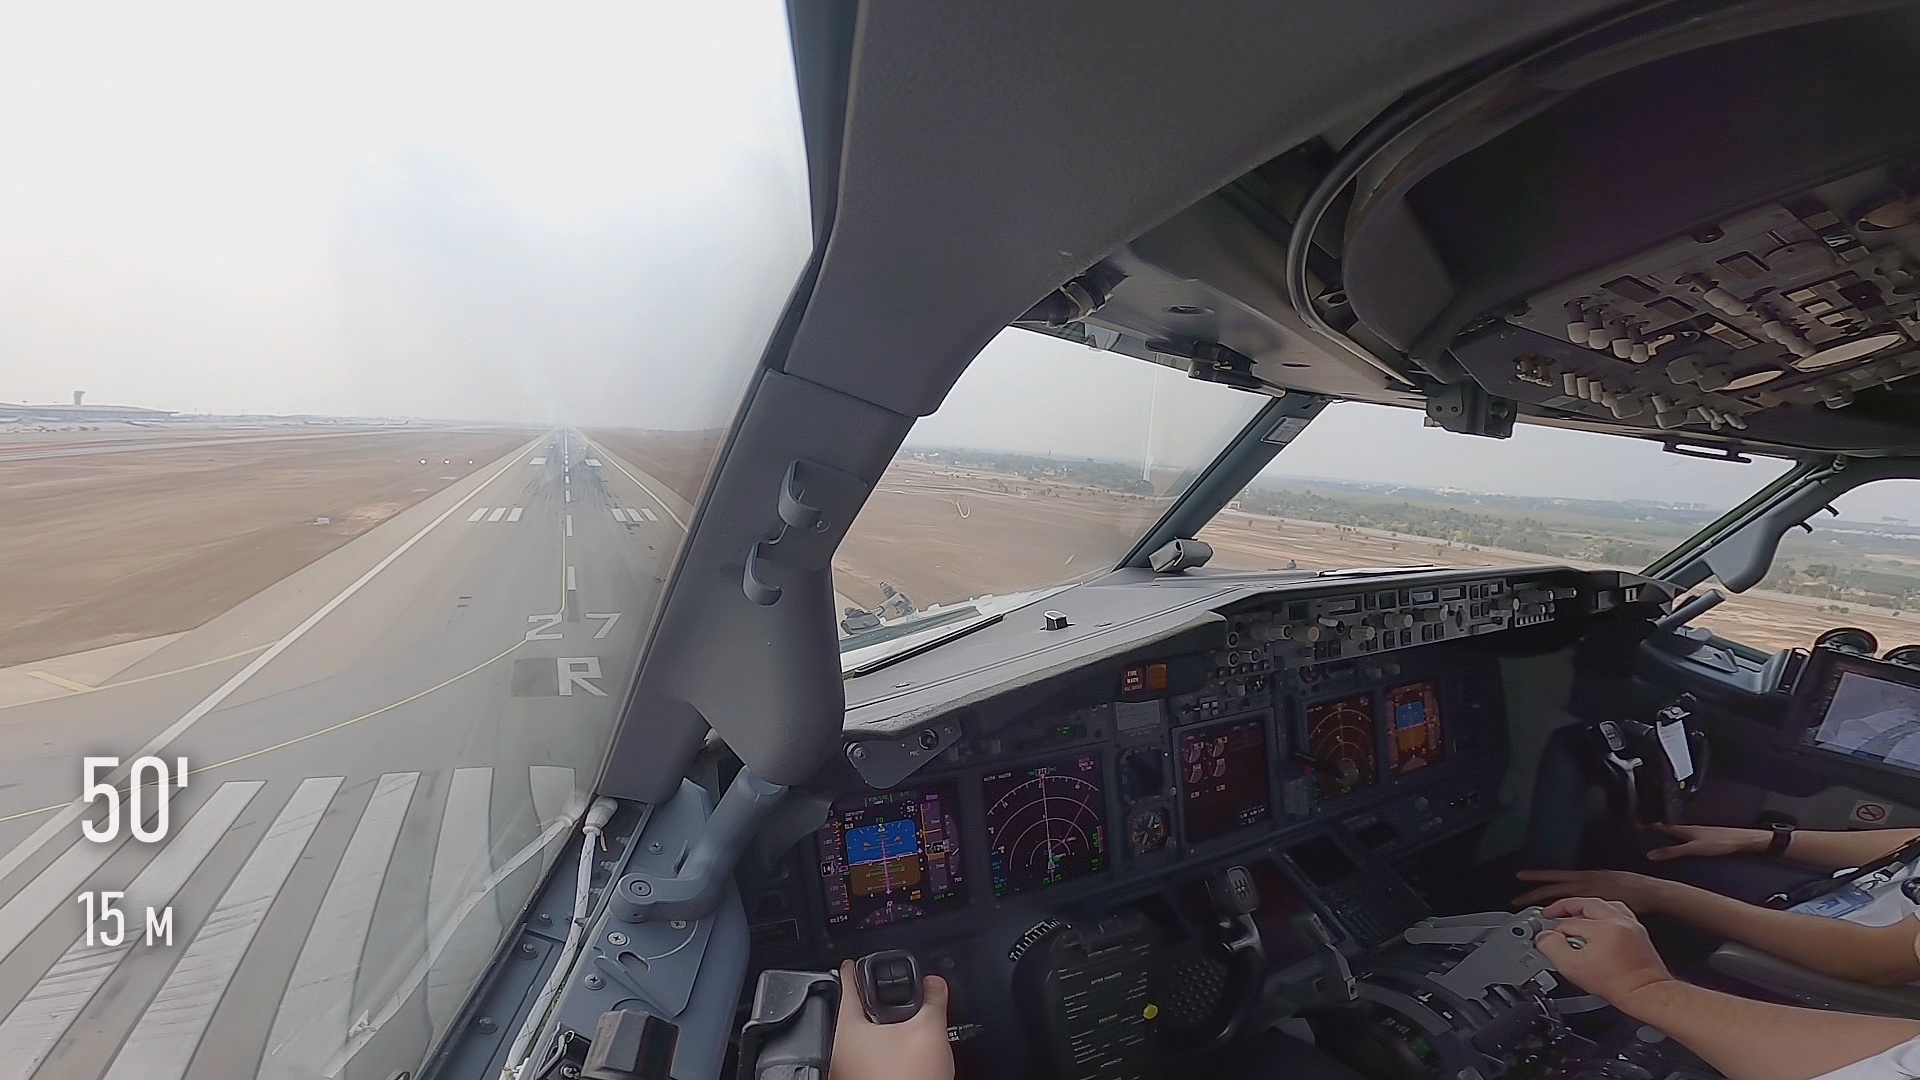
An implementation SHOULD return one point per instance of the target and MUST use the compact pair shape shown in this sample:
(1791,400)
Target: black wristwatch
(1782,836)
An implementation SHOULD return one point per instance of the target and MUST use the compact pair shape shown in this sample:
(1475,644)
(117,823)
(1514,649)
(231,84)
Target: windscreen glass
(359,370)
(1372,486)
(1044,465)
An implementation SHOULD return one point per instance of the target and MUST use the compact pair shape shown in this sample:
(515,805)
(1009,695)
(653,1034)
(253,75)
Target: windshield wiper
(947,632)
(1374,571)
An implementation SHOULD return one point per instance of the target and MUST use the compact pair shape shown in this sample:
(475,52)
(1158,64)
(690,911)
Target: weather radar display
(891,856)
(1340,744)
(1045,824)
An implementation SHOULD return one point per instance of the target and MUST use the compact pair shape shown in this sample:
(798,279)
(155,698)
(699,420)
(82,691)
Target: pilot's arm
(1745,1040)
(1819,850)
(1881,955)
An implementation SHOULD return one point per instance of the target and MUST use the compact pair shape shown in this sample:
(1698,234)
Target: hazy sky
(583,212)
(575,210)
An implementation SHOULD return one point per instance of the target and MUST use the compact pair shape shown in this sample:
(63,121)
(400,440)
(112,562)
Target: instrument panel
(1129,776)
(1327,728)
(1376,762)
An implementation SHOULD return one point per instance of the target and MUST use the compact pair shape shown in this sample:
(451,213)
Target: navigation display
(1416,737)
(1045,824)
(1872,718)
(1340,745)
(892,856)
(1224,782)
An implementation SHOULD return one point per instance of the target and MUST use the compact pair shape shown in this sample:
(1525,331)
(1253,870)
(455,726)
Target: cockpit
(1127,541)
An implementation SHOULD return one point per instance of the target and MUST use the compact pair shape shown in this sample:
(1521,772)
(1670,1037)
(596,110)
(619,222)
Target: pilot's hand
(914,1049)
(1613,956)
(1709,841)
(1646,895)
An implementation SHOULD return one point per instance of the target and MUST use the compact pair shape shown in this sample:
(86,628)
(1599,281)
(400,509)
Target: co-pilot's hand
(1645,895)
(914,1049)
(1709,842)
(1601,948)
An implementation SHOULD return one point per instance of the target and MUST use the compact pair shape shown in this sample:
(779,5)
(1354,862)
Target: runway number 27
(545,631)
(144,772)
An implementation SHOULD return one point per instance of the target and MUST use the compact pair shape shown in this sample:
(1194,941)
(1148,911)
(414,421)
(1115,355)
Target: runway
(385,750)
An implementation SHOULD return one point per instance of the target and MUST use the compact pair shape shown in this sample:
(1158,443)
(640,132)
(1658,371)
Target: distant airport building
(78,413)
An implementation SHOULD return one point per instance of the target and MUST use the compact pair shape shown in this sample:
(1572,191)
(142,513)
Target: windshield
(1371,485)
(358,369)
(1043,467)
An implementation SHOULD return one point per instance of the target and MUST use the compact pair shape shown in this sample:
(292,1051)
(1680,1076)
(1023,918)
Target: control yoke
(789,1029)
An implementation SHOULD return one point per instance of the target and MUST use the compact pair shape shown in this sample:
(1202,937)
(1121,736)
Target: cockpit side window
(1858,566)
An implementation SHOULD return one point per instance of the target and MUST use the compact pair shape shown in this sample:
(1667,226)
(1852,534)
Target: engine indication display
(1340,742)
(1045,824)
(892,856)
(1413,717)
(1224,784)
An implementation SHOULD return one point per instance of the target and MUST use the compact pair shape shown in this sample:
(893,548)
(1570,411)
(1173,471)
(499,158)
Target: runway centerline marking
(27,848)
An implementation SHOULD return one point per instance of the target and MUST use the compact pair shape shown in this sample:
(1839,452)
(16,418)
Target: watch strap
(1782,836)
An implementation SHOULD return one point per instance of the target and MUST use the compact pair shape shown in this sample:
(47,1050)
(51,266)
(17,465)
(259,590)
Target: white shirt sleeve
(1899,1063)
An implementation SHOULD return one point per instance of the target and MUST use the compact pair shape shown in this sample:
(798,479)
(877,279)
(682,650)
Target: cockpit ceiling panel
(998,150)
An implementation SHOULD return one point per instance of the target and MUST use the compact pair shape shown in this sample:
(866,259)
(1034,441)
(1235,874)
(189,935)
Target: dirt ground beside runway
(913,536)
(678,459)
(100,549)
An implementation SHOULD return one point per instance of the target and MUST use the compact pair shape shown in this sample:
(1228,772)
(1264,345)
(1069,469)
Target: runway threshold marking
(163,1042)
(314,1019)
(363,1034)
(27,848)
(477,514)
(30,1031)
(515,515)
(643,487)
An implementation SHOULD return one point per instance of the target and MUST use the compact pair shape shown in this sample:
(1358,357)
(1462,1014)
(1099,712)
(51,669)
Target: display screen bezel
(962,891)
(1105,861)
(1263,722)
(1813,696)
(1375,696)
(1389,723)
